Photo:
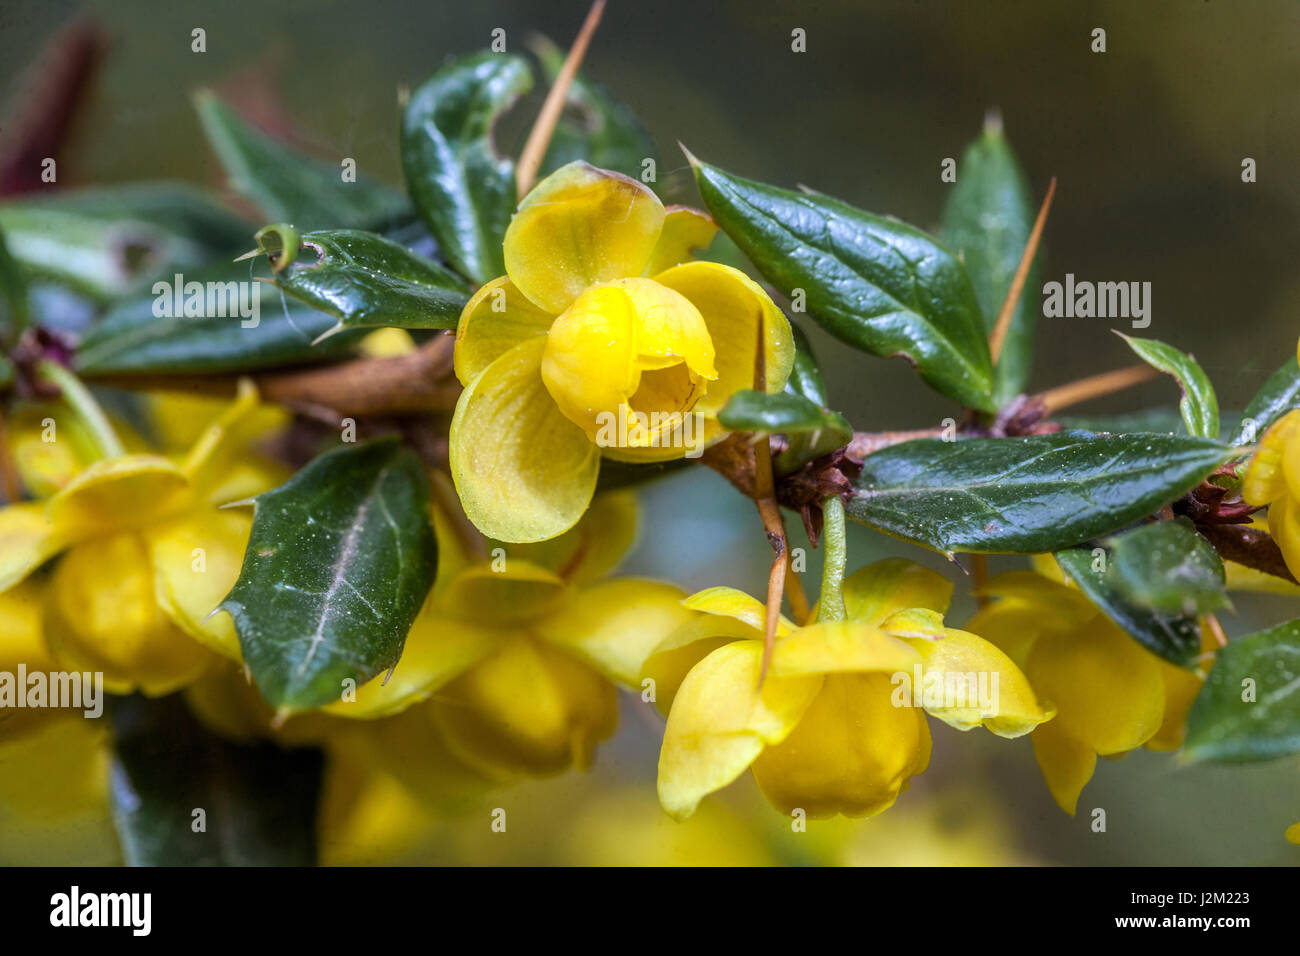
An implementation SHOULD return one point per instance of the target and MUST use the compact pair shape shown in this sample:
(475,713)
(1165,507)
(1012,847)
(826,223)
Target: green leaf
(1279,395)
(1174,637)
(259,802)
(109,242)
(339,561)
(806,375)
(1025,495)
(364,280)
(1168,568)
(813,430)
(987,221)
(14,313)
(595,126)
(132,338)
(875,283)
(286,184)
(462,188)
(1199,405)
(1265,667)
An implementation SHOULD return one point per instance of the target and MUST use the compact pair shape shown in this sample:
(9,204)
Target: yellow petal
(668,664)
(1293,834)
(196,560)
(523,471)
(686,230)
(720,722)
(1107,690)
(733,305)
(1067,764)
(615,625)
(22,642)
(589,362)
(438,650)
(527,710)
(1181,688)
(593,547)
(1266,476)
(117,494)
(842,647)
(49,445)
(916,622)
(508,593)
(852,751)
(1013,627)
(873,593)
(729,602)
(102,616)
(387,343)
(222,464)
(977,684)
(27,540)
(1284,526)
(494,321)
(1242,578)
(580,226)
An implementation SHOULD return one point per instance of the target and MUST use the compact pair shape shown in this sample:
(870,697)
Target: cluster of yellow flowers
(512,666)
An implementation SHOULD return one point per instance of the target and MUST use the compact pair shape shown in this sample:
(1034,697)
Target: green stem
(83,404)
(834,556)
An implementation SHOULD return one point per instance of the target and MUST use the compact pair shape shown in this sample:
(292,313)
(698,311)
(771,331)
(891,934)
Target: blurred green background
(1146,141)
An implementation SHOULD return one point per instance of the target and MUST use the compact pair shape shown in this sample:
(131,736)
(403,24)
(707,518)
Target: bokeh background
(1146,141)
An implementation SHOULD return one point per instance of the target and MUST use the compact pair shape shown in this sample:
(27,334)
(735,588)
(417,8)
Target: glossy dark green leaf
(1174,637)
(287,184)
(987,221)
(1199,405)
(595,126)
(365,280)
(806,375)
(462,188)
(1249,708)
(1279,395)
(133,338)
(1025,495)
(14,313)
(183,796)
(1168,568)
(875,283)
(111,241)
(338,563)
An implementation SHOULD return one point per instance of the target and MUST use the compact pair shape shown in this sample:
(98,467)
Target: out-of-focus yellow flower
(147,554)
(838,725)
(601,339)
(1273,479)
(1111,694)
(517,657)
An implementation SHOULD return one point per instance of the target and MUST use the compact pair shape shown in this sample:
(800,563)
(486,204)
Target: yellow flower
(147,554)
(1273,479)
(1110,693)
(517,658)
(600,339)
(838,725)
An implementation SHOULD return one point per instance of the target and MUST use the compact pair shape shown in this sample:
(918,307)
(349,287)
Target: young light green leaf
(363,279)
(258,802)
(1199,405)
(258,328)
(813,430)
(875,283)
(1249,708)
(111,241)
(339,561)
(1174,637)
(595,126)
(462,188)
(287,184)
(1168,568)
(1025,495)
(987,221)
(1279,395)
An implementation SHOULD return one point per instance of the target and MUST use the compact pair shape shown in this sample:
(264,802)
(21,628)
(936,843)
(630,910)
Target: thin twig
(1095,386)
(530,160)
(1003,325)
(1212,622)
